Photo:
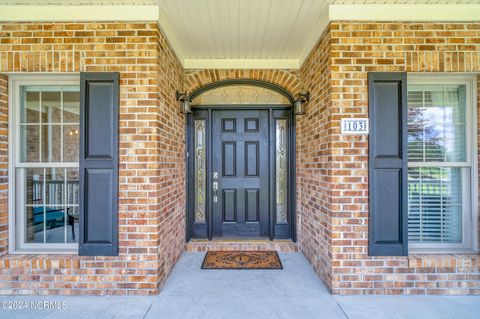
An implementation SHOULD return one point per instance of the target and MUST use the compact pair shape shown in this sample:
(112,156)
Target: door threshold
(280,245)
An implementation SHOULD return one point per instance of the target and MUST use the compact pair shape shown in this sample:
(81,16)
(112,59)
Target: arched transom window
(240,94)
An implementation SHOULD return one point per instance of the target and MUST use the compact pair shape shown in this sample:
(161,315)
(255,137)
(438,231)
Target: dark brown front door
(240,173)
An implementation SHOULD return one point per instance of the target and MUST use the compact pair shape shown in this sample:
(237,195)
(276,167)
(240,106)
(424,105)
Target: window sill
(440,251)
(464,260)
(45,251)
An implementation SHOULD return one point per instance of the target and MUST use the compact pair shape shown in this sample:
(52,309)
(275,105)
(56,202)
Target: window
(44,177)
(240,94)
(441,157)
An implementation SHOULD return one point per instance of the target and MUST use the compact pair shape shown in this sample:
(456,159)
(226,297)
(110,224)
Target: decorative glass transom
(240,94)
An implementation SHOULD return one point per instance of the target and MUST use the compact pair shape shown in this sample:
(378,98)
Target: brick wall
(315,183)
(170,146)
(152,172)
(288,79)
(355,49)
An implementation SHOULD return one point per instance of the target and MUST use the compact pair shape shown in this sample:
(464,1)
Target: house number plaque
(355,126)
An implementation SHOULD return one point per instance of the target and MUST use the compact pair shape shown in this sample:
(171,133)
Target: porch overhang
(241,34)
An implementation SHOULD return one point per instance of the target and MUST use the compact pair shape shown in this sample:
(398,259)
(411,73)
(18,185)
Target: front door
(240,173)
(240,178)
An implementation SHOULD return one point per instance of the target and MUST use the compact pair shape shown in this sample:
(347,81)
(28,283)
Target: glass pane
(55,224)
(72,224)
(72,186)
(55,186)
(30,105)
(281,169)
(32,181)
(51,143)
(29,143)
(240,94)
(43,112)
(435,205)
(34,224)
(51,105)
(46,216)
(71,105)
(71,140)
(437,123)
(200,172)
(455,122)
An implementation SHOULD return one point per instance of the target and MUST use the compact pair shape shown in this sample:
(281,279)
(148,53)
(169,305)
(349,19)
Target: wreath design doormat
(242,260)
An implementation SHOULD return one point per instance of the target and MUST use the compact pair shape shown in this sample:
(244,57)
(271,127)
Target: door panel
(251,159)
(229,155)
(240,154)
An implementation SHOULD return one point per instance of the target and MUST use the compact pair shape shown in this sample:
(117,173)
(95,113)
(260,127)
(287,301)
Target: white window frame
(469,242)
(15,230)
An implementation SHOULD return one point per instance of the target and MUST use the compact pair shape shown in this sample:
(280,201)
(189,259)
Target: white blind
(437,158)
(435,204)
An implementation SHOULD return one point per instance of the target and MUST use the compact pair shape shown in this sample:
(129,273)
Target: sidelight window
(44,163)
(281,153)
(441,173)
(200,172)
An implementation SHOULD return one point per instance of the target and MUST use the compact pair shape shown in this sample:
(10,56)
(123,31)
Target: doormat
(242,260)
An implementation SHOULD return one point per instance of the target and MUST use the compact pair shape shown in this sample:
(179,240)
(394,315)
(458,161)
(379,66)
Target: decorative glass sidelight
(281,169)
(200,171)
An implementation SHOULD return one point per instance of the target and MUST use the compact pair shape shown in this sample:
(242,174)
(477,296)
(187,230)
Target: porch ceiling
(241,33)
(155,2)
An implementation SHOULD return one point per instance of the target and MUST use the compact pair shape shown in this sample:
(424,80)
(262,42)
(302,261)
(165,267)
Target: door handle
(215,190)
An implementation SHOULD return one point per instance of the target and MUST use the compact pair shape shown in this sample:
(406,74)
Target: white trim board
(72,13)
(404,12)
(241,63)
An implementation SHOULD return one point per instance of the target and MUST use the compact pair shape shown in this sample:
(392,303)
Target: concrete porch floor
(294,292)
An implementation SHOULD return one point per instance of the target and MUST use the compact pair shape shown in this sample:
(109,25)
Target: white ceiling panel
(240,29)
(154,2)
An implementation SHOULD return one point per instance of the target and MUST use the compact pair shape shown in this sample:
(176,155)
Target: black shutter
(387,173)
(99,97)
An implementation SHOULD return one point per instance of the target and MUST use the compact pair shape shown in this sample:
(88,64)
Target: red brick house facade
(332,185)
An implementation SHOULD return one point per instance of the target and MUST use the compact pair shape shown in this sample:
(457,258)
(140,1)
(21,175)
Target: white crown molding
(241,63)
(75,13)
(404,12)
